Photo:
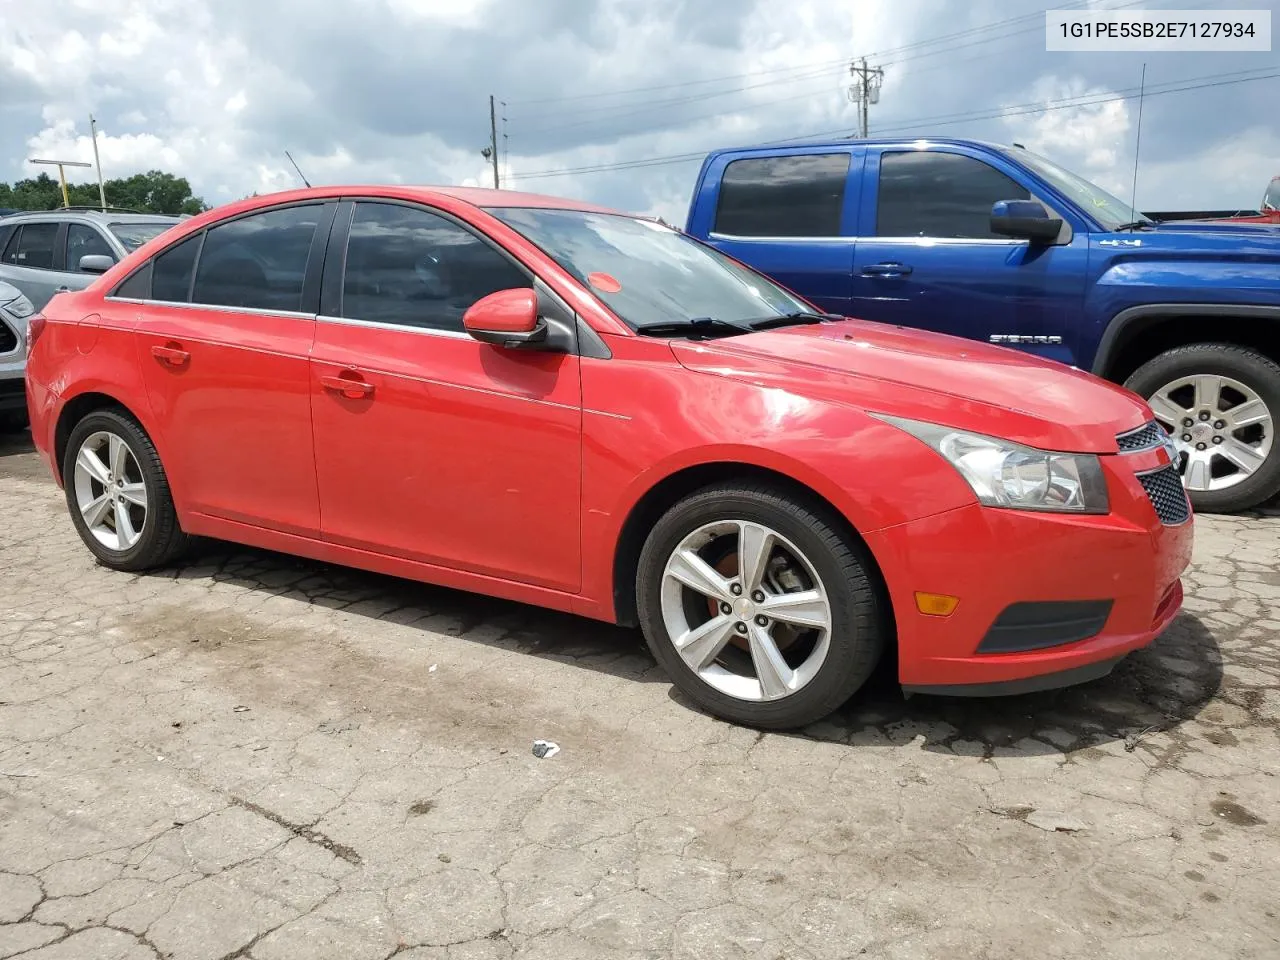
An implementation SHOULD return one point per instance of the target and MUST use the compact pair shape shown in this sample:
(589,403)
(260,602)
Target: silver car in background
(15,310)
(47,252)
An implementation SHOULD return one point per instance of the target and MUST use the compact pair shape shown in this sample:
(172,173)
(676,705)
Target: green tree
(151,192)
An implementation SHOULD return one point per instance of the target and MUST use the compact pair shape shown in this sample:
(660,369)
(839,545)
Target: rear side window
(32,246)
(85,241)
(171,272)
(800,196)
(257,262)
(924,193)
(416,269)
(5,234)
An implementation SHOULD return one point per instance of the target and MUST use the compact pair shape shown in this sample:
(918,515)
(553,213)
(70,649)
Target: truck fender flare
(1125,324)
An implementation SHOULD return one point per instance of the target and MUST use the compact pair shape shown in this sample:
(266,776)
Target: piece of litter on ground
(432,668)
(545,749)
(1055,822)
(240,709)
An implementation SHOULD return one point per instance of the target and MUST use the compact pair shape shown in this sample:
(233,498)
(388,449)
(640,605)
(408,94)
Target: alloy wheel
(110,490)
(1222,429)
(746,610)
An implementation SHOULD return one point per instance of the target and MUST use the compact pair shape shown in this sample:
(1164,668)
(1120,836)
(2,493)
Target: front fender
(1132,321)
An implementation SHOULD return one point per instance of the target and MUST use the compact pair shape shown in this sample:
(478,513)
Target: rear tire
(1230,376)
(779,566)
(118,494)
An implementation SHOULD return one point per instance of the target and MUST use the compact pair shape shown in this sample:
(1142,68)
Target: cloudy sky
(397,91)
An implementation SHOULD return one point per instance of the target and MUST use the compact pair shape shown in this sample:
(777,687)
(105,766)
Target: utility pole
(493,140)
(102,190)
(865,90)
(62,175)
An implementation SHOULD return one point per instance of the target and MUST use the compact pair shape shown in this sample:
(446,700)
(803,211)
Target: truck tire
(759,609)
(1221,405)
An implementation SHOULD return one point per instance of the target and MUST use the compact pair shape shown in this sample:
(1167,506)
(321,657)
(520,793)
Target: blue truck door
(790,215)
(926,256)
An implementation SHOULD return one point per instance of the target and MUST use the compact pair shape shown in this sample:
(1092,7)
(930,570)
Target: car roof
(62,213)
(857,142)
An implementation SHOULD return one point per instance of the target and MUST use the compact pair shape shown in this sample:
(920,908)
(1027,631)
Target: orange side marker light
(936,604)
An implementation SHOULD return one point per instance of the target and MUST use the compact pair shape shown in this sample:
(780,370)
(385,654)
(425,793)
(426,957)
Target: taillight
(35,327)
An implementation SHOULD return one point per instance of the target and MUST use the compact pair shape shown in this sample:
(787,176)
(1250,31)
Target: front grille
(1146,437)
(1164,487)
(8,339)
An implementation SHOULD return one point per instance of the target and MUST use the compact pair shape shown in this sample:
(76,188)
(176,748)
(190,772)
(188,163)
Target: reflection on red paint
(604,282)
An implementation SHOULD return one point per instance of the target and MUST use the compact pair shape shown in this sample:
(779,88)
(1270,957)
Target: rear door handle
(171,354)
(349,387)
(892,269)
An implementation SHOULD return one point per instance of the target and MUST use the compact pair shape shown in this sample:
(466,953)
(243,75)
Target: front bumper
(1102,586)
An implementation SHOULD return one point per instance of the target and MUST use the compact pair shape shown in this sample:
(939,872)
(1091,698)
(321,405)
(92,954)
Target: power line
(1083,100)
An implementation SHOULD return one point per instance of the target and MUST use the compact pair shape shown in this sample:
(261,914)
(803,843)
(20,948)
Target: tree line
(151,192)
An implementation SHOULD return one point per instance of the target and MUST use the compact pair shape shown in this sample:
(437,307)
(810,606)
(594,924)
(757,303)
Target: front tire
(1221,405)
(759,609)
(118,494)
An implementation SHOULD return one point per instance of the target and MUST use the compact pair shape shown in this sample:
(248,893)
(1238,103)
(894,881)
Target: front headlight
(1007,474)
(19,306)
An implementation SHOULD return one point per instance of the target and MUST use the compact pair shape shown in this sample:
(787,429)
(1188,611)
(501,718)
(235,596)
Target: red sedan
(554,403)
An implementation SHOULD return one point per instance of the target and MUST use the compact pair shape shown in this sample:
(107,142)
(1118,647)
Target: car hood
(1263,229)
(927,376)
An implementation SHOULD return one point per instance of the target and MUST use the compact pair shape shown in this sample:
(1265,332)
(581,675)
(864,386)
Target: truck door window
(925,193)
(792,196)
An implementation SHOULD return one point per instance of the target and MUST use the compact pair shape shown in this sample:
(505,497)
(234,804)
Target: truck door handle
(887,269)
(171,354)
(62,290)
(349,386)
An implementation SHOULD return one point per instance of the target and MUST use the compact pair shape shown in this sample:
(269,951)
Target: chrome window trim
(950,241)
(220,308)
(738,238)
(400,327)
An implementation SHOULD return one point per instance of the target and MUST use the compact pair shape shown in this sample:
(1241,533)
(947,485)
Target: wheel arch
(1138,334)
(75,409)
(674,487)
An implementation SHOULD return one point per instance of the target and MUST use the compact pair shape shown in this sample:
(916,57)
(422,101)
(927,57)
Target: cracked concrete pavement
(259,757)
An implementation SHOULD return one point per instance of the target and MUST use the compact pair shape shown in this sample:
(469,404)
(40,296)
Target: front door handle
(349,387)
(171,354)
(888,269)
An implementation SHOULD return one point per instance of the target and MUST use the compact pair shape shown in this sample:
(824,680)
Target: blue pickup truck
(998,244)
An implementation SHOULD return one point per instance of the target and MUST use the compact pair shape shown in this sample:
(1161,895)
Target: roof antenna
(295,166)
(1137,145)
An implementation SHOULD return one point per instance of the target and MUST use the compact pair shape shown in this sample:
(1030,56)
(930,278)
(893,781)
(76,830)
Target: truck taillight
(35,327)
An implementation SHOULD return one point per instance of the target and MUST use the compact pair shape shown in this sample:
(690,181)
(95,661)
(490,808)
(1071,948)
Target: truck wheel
(757,607)
(1221,405)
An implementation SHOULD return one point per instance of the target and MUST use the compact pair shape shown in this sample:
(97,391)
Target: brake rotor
(784,634)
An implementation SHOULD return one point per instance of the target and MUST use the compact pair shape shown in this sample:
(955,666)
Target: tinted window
(85,241)
(783,196)
(32,245)
(5,234)
(411,267)
(171,273)
(928,194)
(257,262)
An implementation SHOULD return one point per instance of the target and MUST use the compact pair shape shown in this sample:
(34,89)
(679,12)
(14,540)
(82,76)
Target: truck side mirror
(1024,220)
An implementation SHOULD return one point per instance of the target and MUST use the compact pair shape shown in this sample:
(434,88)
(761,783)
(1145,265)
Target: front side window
(85,241)
(257,262)
(925,193)
(647,273)
(413,268)
(793,196)
(32,246)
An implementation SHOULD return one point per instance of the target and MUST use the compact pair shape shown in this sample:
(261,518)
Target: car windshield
(1271,201)
(134,235)
(648,273)
(1109,211)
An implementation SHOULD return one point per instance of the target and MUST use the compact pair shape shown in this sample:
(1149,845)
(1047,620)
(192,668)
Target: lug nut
(725,608)
(1204,414)
(1219,424)
(1186,438)
(1217,439)
(1187,421)
(762,621)
(758,596)
(735,588)
(1200,446)
(741,627)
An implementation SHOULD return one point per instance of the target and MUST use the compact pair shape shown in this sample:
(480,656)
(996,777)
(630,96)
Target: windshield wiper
(1135,225)
(787,319)
(699,328)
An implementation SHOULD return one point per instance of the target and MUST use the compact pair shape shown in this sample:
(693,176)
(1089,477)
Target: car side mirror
(1024,220)
(96,263)
(508,318)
